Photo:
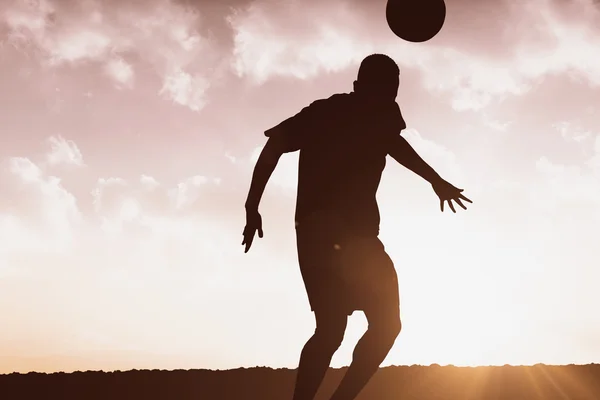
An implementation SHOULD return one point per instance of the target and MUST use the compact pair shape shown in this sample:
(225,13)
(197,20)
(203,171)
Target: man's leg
(383,316)
(318,351)
(369,353)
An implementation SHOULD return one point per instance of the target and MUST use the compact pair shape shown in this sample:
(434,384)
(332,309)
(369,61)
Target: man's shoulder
(333,101)
(388,114)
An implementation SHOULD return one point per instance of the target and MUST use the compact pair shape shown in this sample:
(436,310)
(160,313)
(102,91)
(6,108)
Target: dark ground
(572,382)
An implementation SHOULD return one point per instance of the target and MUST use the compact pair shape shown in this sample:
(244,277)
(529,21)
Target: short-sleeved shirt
(343,142)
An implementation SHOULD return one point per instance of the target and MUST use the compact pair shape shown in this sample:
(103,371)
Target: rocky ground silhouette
(543,382)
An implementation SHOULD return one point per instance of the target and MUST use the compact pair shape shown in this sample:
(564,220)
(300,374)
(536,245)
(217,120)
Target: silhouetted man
(343,143)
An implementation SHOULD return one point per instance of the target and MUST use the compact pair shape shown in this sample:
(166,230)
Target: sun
(462,294)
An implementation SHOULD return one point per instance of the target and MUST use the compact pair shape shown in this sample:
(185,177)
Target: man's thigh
(342,269)
(370,275)
(319,265)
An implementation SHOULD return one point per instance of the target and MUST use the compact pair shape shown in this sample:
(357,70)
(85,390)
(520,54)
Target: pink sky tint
(129,133)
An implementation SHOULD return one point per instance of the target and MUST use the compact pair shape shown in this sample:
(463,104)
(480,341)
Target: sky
(129,131)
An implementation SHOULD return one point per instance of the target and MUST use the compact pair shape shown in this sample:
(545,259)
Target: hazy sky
(129,130)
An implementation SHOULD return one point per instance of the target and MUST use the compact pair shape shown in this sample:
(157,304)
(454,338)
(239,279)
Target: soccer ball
(415,20)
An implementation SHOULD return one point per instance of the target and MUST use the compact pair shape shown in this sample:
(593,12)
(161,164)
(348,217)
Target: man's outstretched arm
(265,165)
(402,151)
(267,161)
(286,137)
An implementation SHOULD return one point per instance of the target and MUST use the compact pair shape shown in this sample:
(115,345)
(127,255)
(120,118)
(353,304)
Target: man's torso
(340,166)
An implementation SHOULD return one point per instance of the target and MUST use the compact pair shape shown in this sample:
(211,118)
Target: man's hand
(253,224)
(448,192)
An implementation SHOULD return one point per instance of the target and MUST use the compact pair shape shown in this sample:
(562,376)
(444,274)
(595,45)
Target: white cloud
(104,191)
(79,46)
(231,159)
(64,152)
(143,222)
(115,198)
(439,157)
(256,154)
(149,182)
(161,34)
(25,169)
(269,40)
(185,89)
(188,191)
(160,227)
(588,141)
(23,17)
(302,40)
(43,215)
(594,161)
(56,33)
(571,132)
(279,39)
(121,72)
(495,124)
(570,189)
(134,253)
(285,175)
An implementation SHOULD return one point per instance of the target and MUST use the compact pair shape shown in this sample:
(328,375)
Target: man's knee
(329,338)
(329,333)
(395,327)
(386,326)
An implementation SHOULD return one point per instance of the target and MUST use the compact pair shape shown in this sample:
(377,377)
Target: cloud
(64,152)
(162,36)
(144,223)
(495,124)
(301,41)
(121,205)
(106,188)
(121,72)
(594,161)
(149,182)
(188,191)
(571,187)
(552,45)
(571,132)
(440,158)
(294,40)
(185,89)
(144,248)
(56,33)
(42,213)
(233,159)
(285,175)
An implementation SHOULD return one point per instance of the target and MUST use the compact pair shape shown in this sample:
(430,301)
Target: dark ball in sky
(415,20)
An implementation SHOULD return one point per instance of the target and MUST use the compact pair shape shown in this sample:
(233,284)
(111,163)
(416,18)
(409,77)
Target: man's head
(378,78)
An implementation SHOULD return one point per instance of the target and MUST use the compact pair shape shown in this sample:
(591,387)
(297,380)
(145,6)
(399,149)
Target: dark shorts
(345,271)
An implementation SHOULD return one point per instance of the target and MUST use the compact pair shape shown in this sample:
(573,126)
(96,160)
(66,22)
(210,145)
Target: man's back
(343,143)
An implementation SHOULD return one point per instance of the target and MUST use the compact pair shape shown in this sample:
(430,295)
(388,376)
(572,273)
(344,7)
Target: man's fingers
(451,206)
(248,244)
(442,205)
(260,232)
(460,203)
(460,196)
(248,238)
